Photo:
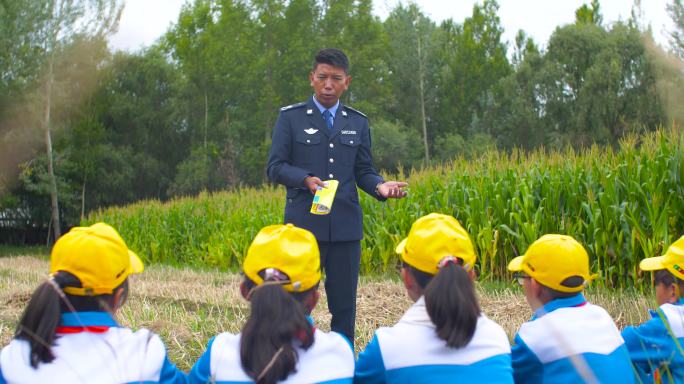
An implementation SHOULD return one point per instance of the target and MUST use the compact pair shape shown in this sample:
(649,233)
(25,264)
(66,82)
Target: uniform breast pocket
(306,139)
(348,148)
(307,149)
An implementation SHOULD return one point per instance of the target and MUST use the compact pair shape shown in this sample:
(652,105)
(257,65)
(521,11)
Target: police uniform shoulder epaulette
(354,110)
(293,106)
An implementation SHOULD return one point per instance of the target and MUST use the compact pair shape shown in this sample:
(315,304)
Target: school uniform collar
(654,312)
(321,108)
(417,314)
(88,319)
(573,301)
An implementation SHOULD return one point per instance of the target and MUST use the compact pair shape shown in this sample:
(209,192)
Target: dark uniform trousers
(304,146)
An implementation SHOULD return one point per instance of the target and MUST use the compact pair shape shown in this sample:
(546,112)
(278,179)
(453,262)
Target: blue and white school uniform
(652,346)
(411,352)
(91,347)
(571,341)
(329,360)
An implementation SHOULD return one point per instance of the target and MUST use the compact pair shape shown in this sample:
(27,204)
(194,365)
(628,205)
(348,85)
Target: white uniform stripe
(115,356)
(675,316)
(570,331)
(413,342)
(329,358)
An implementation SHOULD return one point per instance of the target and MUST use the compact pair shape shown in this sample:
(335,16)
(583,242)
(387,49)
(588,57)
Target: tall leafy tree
(54,28)
(676,11)
(589,14)
(474,58)
(596,85)
(351,26)
(410,60)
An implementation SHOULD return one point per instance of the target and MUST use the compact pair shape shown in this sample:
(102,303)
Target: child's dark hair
(41,317)
(571,282)
(332,56)
(665,277)
(450,301)
(276,326)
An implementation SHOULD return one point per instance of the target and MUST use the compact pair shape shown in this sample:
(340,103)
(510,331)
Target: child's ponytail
(276,326)
(452,305)
(41,317)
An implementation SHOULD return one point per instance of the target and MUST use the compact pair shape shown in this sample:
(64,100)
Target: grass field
(187,307)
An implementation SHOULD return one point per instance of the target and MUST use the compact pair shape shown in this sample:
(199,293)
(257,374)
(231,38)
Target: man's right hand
(312,182)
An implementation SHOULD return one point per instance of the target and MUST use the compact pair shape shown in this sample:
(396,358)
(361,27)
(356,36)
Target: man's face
(329,83)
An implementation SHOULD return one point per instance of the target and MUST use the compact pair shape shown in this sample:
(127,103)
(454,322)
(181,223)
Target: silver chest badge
(311,131)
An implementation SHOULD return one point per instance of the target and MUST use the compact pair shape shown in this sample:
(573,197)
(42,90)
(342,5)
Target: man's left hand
(392,189)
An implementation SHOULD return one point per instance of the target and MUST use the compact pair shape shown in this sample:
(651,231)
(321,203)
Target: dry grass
(188,307)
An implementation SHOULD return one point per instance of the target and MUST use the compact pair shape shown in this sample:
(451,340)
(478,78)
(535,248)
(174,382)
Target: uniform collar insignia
(309,111)
(311,131)
(344,113)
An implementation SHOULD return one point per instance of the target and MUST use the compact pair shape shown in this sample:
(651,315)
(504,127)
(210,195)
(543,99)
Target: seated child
(444,337)
(656,347)
(68,333)
(279,342)
(568,339)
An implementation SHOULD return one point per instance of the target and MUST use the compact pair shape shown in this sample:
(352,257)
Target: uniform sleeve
(527,368)
(366,176)
(170,374)
(201,371)
(370,367)
(279,168)
(649,346)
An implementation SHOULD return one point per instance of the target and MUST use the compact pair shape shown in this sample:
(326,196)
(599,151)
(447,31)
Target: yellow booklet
(324,197)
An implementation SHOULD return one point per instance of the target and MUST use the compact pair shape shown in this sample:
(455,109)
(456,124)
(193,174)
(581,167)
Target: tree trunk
(206,118)
(83,191)
(421,71)
(54,203)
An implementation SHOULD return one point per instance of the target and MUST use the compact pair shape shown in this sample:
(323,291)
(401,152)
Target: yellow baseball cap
(672,260)
(552,259)
(288,249)
(97,256)
(434,237)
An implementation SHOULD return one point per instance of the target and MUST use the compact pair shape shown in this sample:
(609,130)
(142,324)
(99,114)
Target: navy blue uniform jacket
(304,146)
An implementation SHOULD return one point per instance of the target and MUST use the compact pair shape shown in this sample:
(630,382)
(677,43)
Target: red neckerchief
(89,328)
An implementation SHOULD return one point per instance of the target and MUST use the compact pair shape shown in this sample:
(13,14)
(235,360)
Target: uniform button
(330,175)
(332,145)
(351,141)
(308,141)
(332,160)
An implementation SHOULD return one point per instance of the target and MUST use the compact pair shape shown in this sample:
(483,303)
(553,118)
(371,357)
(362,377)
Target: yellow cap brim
(516,264)
(653,263)
(136,264)
(400,248)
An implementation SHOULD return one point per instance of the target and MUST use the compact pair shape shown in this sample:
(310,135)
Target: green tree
(596,85)
(589,14)
(409,59)
(351,26)
(55,25)
(474,60)
(676,11)
(138,105)
(515,113)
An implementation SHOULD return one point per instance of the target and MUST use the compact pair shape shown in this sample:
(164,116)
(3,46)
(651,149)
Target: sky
(144,21)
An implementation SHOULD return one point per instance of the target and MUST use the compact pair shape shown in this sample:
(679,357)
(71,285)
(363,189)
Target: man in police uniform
(322,139)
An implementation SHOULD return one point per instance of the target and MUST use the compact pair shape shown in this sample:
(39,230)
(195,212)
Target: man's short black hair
(332,56)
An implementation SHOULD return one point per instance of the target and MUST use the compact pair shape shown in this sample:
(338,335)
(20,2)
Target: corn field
(623,204)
